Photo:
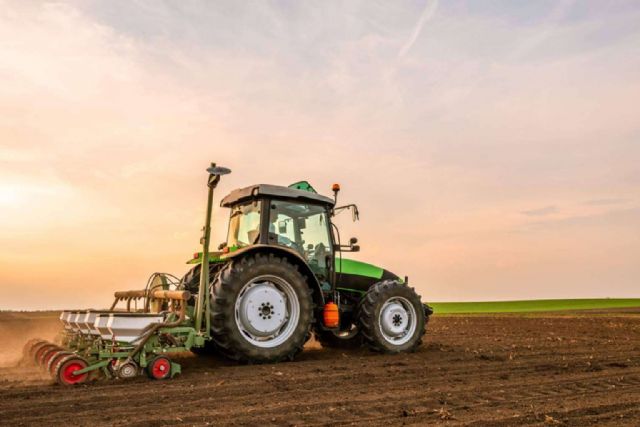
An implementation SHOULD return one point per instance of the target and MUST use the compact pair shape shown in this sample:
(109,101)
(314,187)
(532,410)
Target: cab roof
(267,190)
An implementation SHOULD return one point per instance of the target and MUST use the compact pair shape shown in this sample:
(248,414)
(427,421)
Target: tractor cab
(295,218)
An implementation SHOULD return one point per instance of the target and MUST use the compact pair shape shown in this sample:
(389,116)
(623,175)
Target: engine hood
(358,275)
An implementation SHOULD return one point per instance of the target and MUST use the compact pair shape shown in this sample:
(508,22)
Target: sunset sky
(493,147)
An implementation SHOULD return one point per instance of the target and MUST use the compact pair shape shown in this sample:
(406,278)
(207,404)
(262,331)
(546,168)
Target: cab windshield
(244,225)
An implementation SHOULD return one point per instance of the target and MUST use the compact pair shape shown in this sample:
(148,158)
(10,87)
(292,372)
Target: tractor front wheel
(392,317)
(261,309)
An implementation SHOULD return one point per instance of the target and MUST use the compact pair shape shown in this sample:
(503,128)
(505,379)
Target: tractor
(279,279)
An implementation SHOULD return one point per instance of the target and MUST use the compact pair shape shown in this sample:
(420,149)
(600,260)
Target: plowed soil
(474,370)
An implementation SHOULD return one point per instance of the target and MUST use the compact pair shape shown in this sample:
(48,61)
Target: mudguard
(292,256)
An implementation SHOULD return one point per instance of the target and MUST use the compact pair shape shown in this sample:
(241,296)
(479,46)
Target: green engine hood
(358,274)
(358,268)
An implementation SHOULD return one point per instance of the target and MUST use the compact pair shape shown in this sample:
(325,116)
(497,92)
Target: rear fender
(293,257)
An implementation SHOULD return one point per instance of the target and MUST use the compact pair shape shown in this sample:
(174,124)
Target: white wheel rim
(397,320)
(128,371)
(267,311)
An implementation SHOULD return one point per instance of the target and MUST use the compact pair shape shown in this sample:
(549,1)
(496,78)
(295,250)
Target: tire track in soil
(484,398)
(596,385)
(233,390)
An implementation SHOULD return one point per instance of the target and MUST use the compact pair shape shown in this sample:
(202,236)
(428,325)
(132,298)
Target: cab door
(306,229)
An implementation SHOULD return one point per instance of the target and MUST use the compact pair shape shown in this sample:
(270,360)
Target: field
(530,306)
(547,368)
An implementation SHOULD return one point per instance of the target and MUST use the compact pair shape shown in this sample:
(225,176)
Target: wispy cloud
(427,13)
(606,219)
(605,202)
(547,210)
(539,36)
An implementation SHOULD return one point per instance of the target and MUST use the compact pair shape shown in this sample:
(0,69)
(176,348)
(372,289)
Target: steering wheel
(284,240)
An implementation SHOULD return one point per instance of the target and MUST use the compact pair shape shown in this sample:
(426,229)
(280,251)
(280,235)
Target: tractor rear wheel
(392,317)
(351,338)
(261,309)
(191,280)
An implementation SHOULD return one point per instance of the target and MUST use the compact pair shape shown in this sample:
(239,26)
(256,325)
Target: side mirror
(351,247)
(355,214)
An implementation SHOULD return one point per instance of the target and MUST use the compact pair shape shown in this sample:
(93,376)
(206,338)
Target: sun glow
(487,164)
(9,195)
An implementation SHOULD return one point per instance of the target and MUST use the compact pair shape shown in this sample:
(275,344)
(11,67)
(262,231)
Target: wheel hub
(263,309)
(394,319)
(266,310)
(127,370)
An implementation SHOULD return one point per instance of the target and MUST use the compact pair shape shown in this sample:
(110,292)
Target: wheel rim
(128,370)
(161,368)
(69,368)
(51,366)
(267,311)
(397,320)
(40,352)
(35,347)
(48,355)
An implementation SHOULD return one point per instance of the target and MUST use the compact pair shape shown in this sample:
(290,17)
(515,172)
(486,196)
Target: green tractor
(280,277)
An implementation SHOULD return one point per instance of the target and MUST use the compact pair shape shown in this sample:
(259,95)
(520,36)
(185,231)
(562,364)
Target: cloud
(427,13)
(609,219)
(549,29)
(605,202)
(547,210)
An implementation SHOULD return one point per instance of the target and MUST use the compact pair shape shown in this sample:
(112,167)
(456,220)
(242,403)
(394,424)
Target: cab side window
(303,228)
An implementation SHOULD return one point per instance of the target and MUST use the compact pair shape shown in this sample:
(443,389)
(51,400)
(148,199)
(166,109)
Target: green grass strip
(533,305)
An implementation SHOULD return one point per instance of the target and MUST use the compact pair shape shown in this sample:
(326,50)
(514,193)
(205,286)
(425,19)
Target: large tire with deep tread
(369,313)
(227,336)
(191,282)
